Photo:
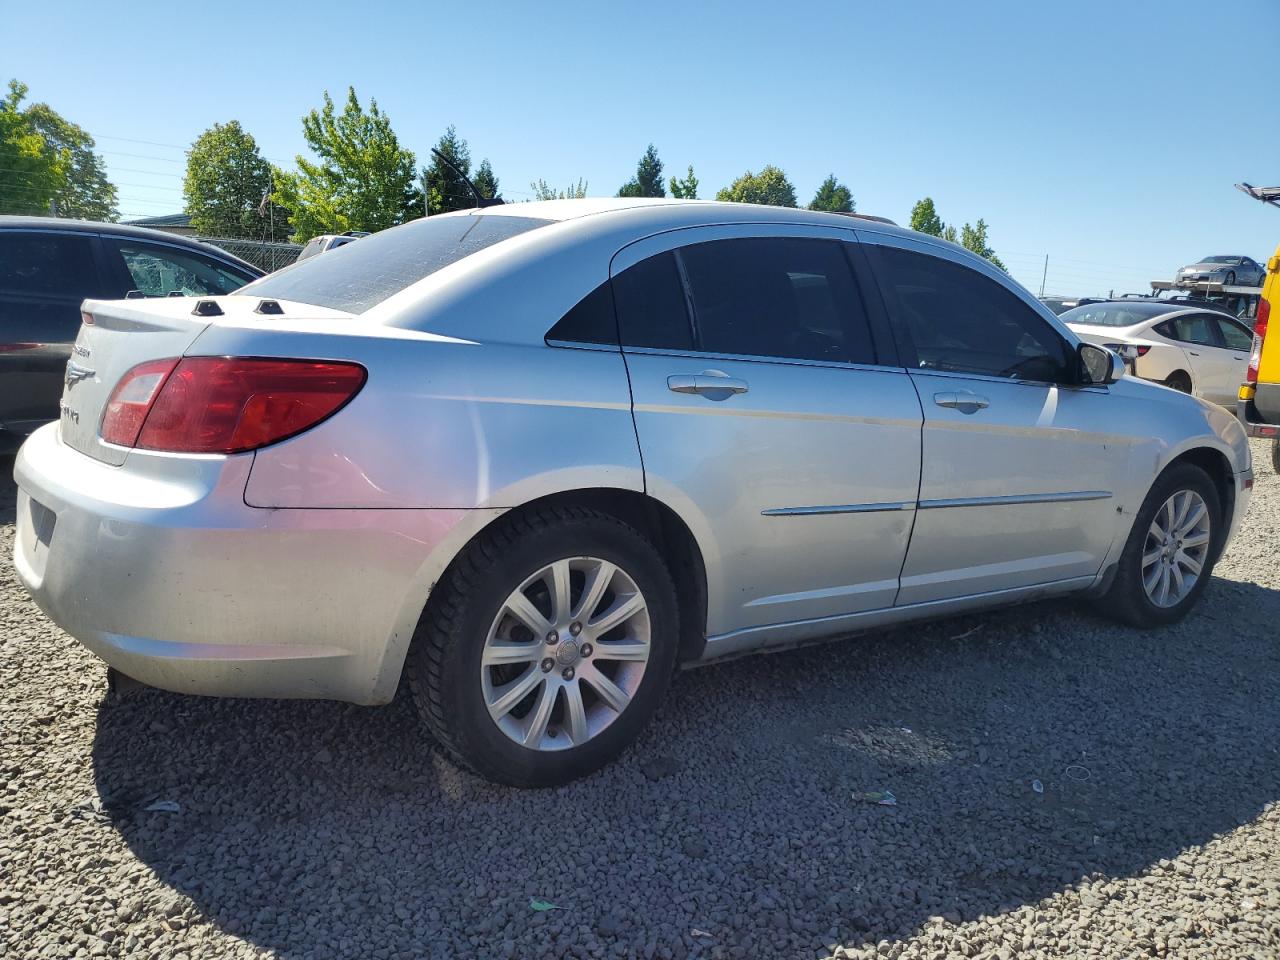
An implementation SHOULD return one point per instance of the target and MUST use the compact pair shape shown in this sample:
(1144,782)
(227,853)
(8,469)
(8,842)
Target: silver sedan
(536,457)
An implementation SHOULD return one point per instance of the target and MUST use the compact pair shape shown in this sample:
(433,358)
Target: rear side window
(1194,328)
(358,276)
(590,321)
(47,265)
(159,271)
(954,319)
(784,297)
(652,309)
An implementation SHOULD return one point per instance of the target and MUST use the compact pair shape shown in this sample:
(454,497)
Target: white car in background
(1197,350)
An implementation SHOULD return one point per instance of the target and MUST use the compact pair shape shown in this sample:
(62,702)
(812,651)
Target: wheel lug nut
(547,664)
(586,650)
(568,673)
(575,628)
(553,637)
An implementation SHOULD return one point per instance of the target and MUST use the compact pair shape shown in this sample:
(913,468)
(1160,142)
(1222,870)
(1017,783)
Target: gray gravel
(324,830)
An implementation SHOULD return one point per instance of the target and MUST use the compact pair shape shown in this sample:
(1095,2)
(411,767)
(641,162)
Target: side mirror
(1099,365)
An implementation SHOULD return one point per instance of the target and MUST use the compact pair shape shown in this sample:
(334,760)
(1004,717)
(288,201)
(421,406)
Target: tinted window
(1193,328)
(157,271)
(1236,336)
(777,297)
(47,264)
(650,300)
(590,321)
(953,318)
(358,276)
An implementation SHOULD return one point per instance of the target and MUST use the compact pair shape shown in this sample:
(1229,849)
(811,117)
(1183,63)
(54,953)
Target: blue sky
(1106,135)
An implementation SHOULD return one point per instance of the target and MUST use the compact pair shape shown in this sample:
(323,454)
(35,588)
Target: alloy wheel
(565,654)
(1176,548)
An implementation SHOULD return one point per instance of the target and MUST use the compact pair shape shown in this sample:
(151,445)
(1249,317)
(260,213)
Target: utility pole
(53,206)
(1045,274)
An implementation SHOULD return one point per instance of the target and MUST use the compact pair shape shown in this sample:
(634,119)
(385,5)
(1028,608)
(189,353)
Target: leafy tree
(225,183)
(648,179)
(34,171)
(86,193)
(924,217)
(448,190)
(832,195)
(975,239)
(949,234)
(686,189)
(541,191)
(486,183)
(770,186)
(363,180)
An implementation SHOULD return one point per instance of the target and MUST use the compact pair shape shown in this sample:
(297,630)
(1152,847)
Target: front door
(1019,469)
(772,420)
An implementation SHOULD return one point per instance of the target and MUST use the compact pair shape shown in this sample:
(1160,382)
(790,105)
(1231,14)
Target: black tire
(1179,381)
(1126,600)
(444,664)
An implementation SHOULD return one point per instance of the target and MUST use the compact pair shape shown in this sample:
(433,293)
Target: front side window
(158,271)
(1234,335)
(951,318)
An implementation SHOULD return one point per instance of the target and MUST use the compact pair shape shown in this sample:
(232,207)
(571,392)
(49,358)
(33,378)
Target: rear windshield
(1115,314)
(359,275)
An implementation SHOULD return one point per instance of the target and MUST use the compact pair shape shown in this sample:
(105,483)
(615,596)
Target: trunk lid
(123,334)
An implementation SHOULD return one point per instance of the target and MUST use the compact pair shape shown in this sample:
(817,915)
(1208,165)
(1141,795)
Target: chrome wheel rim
(1176,547)
(566,653)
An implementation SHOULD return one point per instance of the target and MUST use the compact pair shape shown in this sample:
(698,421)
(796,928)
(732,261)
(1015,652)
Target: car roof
(122,230)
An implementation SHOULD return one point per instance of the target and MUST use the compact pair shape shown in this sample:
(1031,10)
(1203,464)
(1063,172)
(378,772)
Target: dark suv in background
(49,266)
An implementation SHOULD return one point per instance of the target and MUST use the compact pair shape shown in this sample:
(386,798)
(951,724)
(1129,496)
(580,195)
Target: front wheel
(547,647)
(1170,553)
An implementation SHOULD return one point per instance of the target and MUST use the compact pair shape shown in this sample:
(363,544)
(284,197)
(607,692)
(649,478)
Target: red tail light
(1259,335)
(225,404)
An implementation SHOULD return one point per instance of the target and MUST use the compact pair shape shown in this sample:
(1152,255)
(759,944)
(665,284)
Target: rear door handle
(712,384)
(964,401)
(1193,353)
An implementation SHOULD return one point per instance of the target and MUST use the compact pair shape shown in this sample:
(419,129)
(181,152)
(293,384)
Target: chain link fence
(264,254)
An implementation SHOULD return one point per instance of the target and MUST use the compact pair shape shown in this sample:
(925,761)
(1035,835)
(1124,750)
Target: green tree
(486,183)
(924,217)
(686,189)
(363,179)
(542,191)
(975,239)
(34,171)
(448,190)
(832,195)
(225,183)
(949,234)
(648,179)
(86,193)
(770,186)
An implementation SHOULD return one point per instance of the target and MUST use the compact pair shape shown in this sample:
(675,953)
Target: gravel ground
(1064,787)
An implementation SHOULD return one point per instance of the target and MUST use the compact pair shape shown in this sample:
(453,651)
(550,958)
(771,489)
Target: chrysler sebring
(534,458)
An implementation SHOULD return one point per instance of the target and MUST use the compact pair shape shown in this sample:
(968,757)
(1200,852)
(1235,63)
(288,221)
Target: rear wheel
(1171,550)
(1179,381)
(547,647)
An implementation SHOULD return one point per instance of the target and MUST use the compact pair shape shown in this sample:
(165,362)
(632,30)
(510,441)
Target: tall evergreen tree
(833,196)
(448,190)
(648,179)
(486,183)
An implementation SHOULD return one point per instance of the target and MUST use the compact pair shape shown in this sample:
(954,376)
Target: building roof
(168,220)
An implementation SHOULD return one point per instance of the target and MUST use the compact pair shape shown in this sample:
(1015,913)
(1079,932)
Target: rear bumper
(161,570)
(1260,415)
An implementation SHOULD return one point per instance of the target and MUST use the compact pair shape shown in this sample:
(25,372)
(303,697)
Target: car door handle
(964,401)
(712,384)
(1193,353)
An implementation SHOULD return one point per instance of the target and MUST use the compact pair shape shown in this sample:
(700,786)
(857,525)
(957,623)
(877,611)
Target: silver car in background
(536,456)
(1230,270)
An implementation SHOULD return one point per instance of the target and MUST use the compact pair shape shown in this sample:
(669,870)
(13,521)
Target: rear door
(1231,358)
(773,419)
(44,276)
(1019,468)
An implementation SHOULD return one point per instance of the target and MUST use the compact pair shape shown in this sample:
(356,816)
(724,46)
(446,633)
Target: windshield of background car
(1219,260)
(1114,314)
(358,276)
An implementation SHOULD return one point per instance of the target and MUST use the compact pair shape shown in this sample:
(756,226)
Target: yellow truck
(1258,405)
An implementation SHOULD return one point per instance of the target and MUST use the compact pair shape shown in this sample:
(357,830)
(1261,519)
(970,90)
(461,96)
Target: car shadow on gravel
(1027,749)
